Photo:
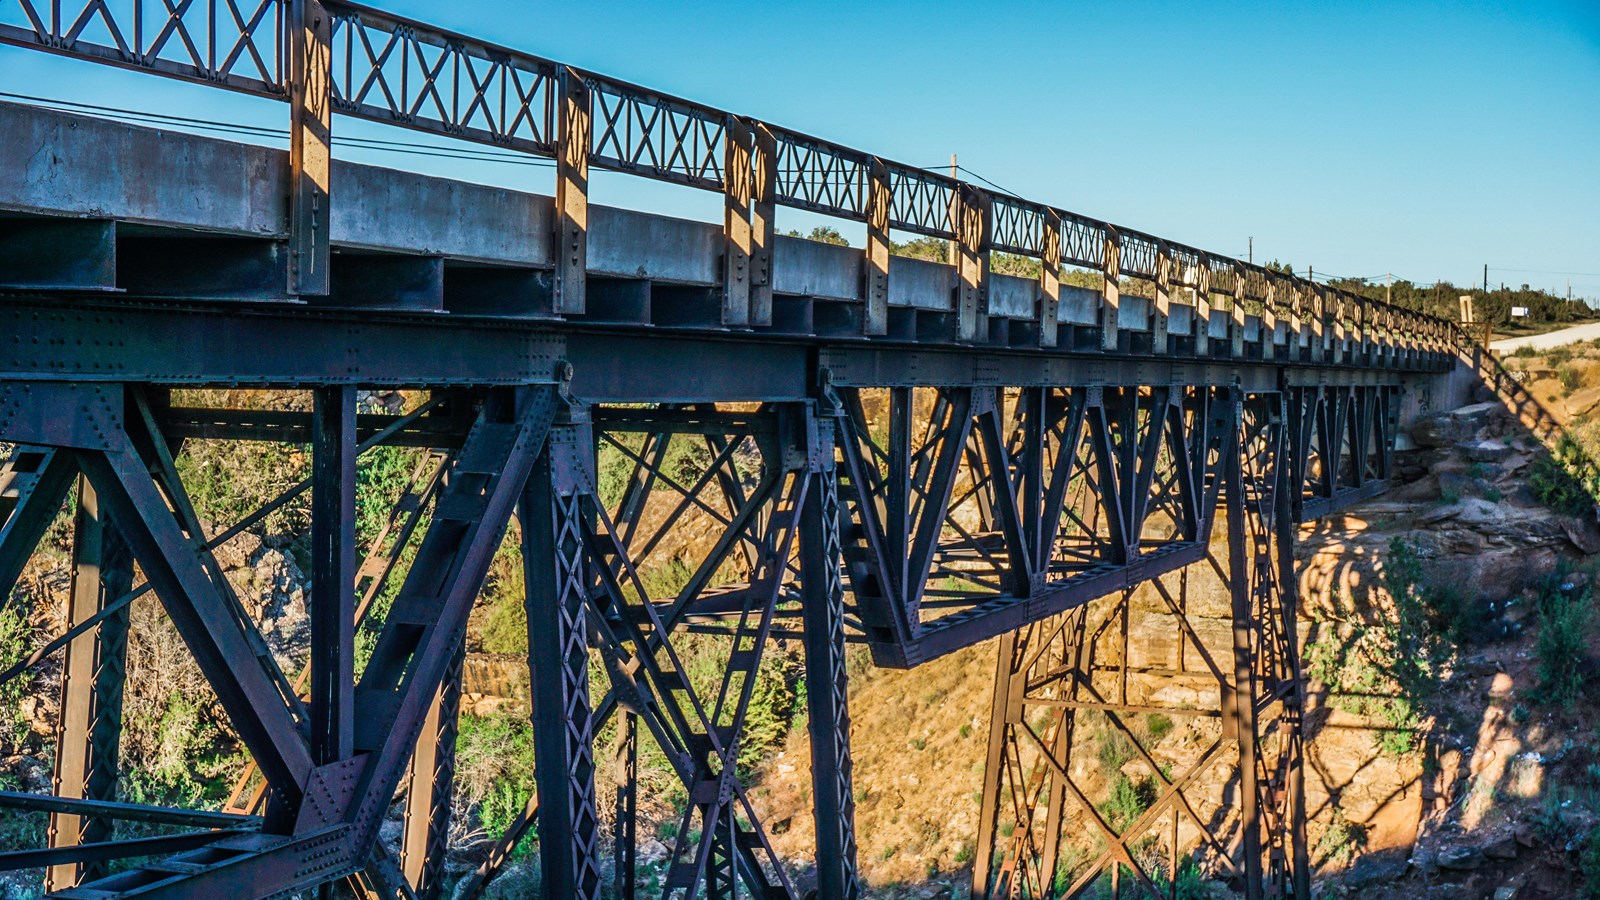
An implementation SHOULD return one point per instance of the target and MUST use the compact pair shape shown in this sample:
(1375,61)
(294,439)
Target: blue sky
(1426,139)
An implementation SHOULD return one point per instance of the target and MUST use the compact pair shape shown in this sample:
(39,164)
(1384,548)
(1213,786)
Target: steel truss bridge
(910,455)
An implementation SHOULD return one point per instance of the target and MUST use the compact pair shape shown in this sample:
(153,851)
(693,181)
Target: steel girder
(1080,685)
(90,722)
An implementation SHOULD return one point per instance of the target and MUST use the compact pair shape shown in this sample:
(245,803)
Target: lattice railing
(384,68)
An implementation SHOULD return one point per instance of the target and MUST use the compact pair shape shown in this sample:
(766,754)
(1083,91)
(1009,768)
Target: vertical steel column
(1297,306)
(763,198)
(738,180)
(1162,309)
(1236,319)
(1111,291)
(897,492)
(333,573)
(90,722)
(1286,493)
(429,785)
(826,695)
(876,258)
(1269,321)
(1202,307)
(972,230)
(574,124)
(556,573)
(1341,302)
(310,37)
(1239,708)
(1049,279)
(1319,305)
(1011,648)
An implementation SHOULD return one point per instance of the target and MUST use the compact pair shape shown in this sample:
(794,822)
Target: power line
(471,154)
(1545,272)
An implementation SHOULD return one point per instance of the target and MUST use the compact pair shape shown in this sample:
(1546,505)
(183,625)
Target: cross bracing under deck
(911,455)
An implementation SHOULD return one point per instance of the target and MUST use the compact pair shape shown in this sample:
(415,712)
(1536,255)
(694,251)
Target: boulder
(1437,431)
(1582,401)
(1505,848)
(1376,868)
(1484,451)
(1459,859)
(1452,427)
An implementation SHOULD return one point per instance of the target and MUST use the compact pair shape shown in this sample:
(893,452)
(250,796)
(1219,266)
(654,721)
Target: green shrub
(772,709)
(663,582)
(494,770)
(1158,726)
(1564,612)
(228,480)
(1555,487)
(1590,863)
(1559,356)
(1128,801)
(1525,352)
(505,630)
(1568,376)
(1342,841)
(382,475)
(1384,672)
(1115,748)
(15,640)
(20,831)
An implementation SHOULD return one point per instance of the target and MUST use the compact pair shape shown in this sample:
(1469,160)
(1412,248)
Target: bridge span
(912,455)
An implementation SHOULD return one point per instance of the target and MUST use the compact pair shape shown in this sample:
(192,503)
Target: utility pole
(1486,278)
(1388,288)
(1251,253)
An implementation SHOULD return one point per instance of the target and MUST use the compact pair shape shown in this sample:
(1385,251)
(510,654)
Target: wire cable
(405,147)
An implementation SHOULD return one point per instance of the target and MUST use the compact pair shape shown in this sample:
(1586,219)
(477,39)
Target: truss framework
(913,520)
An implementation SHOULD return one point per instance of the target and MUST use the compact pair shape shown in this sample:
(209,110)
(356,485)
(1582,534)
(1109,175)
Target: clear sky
(1426,139)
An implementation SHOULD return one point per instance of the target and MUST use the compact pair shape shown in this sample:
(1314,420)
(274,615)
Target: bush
(1128,801)
(1342,841)
(14,647)
(494,771)
(1384,672)
(1555,487)
(1590,863)
(228,480)
(1115,748)
(382,475)
(1564,613)
(1568,376)
(505,630)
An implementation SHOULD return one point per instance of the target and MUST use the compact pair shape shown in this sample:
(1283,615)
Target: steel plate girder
(241,344)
